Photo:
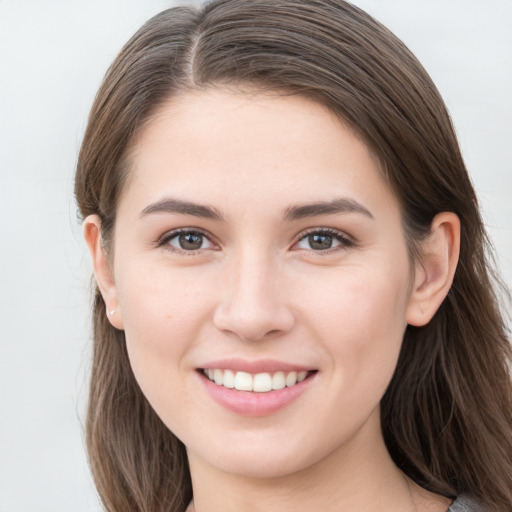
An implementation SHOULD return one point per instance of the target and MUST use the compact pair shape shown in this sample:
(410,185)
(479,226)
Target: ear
(435,270)
(102,271)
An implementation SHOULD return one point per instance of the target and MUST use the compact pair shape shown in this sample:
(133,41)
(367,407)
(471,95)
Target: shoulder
(465,503)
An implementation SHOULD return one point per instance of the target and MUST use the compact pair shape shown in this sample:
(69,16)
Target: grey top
(464,504)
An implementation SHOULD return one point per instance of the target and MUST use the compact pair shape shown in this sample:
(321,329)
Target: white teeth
(278,380)
(243,381)
(259,383)
(218,376)
(291,379)
(262,382)
(301,376)
(229,379)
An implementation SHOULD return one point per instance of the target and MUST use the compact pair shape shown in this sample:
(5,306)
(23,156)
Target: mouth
(257,383)
(257,388)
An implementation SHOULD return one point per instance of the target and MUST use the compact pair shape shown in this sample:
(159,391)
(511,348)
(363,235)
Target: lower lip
(250,403)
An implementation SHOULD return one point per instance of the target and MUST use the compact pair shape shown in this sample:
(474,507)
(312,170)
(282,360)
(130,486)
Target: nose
(253,303)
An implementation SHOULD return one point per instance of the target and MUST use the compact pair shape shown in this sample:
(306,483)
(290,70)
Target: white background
(53,55)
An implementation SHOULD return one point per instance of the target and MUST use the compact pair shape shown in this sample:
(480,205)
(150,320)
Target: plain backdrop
(53,55)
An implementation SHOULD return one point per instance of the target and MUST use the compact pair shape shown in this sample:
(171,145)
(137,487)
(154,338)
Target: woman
(294,304)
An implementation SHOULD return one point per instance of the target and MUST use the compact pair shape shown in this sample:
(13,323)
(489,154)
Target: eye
(186,241)
(323,240)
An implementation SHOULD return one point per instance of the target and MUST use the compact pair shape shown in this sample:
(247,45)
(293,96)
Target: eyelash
(344,241)
(165,239)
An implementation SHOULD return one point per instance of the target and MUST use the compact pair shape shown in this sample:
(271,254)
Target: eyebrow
(180,207)
(177,206)
(336,206)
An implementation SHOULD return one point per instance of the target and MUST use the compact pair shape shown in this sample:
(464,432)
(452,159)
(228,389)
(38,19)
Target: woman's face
(257,241)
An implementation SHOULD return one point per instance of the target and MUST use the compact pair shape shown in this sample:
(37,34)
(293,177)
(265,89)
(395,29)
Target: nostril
(254,324)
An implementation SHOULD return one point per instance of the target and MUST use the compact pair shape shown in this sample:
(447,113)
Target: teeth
(291,379)
(301,376)
(243,381)
(259,383)
(262,382)
(218,376)
(278,380)
(229,379)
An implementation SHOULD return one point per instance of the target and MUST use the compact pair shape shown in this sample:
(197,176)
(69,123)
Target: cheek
(162,321)
(158,310)
(362,322)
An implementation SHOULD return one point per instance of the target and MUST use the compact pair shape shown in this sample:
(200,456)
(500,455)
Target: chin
(258,458)
(261,466)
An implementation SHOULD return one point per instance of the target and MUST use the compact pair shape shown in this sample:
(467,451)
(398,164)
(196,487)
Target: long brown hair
(447,415)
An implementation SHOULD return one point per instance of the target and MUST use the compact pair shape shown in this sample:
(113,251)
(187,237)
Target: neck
(360,475)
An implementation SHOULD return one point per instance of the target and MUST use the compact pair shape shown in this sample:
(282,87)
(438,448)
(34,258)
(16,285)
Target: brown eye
(323,240)
(188,241)
(320,242)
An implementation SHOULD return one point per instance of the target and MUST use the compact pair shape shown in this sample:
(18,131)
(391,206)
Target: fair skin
(255,282)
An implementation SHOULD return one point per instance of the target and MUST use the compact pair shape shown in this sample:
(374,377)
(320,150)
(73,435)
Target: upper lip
(255,366)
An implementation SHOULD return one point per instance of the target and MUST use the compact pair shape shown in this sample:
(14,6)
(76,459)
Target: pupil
(191,241)
(320,242)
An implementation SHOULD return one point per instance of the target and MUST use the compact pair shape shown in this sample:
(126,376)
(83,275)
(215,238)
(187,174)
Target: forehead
(235,147)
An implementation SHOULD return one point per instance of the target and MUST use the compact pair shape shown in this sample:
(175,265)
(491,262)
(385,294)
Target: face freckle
(250,298)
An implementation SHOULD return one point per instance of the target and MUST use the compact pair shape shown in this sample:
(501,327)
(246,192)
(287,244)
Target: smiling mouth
(258,383)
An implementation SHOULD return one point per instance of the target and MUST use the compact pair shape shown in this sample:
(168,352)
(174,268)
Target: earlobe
(102,270)
(434,272)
